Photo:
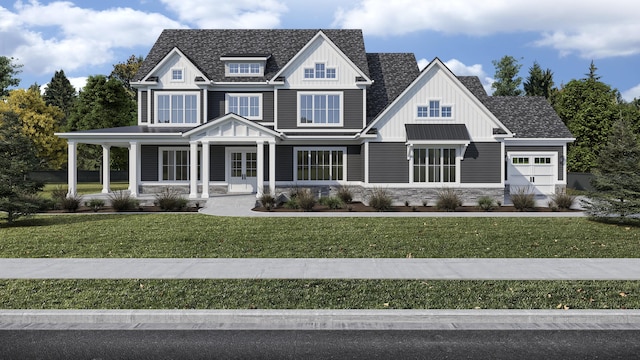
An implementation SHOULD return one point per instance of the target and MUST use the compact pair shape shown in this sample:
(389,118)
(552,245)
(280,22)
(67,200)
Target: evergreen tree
(8,72)
(103,103)
(18,193)
(59,92)
(507,82)
(539,82)
(617,176)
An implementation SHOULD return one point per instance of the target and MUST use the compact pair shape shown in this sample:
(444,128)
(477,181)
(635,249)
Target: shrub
(58,195)
(332,202)
(122,201)
(486,203)
(71,203)
(170,200)
(523,199)
(95,204)
(448,199)
(380,200)
(563,200)
(267,200)
(345,194)
(305,199)
(292,203)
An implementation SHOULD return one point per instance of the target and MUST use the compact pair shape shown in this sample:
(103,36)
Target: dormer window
(244,64)
(244,68)
(434,110)
(320,71)
(177,74)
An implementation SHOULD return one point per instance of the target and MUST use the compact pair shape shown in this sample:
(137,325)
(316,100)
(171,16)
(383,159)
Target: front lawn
(194,235)
(82,188)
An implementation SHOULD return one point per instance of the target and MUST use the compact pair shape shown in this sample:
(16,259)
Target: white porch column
(272,167)
(206,160)
(193,170)
(134,154)
(260,169)
(72,163)
(106,169)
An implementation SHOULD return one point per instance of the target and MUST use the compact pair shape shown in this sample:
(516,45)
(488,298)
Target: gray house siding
(149,163)
(143,107)
(481,163)
(388,163)
(284,163)
(216,106)
(217,163)
(557,149)
(355,163)
(288,110)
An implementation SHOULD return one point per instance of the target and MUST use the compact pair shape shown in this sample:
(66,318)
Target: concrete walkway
(349,268)
(241,205)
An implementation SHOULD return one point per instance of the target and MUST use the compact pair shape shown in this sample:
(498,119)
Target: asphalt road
(319,344)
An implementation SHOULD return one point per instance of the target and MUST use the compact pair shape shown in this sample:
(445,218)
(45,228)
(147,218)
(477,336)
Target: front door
(243,169)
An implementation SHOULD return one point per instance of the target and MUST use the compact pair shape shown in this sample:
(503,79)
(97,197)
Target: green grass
(317,294)
(194,235)
(82,188)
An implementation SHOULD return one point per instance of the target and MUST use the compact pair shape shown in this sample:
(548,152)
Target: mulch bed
(109,210)
(360,207)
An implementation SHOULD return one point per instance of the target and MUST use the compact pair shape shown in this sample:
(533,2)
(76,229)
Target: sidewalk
(314,268)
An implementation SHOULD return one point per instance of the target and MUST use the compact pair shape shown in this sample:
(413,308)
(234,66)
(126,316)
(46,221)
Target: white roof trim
(437,62)
(334,46)
(231,117)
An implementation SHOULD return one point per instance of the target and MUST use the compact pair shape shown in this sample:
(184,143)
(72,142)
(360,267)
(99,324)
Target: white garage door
(535,171)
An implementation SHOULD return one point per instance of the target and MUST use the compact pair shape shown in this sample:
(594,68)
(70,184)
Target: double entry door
(243,170)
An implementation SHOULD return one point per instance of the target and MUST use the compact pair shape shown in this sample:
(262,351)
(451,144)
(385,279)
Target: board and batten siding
(352,111)
(436,85)
(216,106)
(482,163)
(534,149)
(388,163)
(149,163)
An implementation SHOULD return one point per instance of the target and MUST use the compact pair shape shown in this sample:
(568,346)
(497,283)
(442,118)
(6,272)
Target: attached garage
(538,172)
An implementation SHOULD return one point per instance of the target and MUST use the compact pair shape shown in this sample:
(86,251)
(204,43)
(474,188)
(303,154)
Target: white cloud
(591,29)
(78,82)
(60,35)
(235,14)
(460,69)
(633,93)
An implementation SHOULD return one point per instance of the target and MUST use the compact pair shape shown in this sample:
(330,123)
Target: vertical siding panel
(144,106)
(388,163)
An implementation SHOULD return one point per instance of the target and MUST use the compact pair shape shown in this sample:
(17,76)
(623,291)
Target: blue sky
(86,37)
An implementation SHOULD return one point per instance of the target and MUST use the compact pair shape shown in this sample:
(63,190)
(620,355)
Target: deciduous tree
(126,71)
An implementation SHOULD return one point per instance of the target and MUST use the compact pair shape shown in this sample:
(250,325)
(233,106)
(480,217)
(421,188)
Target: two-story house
(224,111)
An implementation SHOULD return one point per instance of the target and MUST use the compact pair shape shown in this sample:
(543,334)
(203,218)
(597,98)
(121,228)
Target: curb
(320,319)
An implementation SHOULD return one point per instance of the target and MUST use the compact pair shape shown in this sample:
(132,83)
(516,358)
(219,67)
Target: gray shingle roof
(204,48)
(391,73)
(526,116)
(437,132)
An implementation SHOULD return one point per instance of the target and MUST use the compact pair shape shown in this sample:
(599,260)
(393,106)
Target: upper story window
(244,69)
(320,71)
(246,105)
(177,74)
(320,109)
(435,110)
(177,109)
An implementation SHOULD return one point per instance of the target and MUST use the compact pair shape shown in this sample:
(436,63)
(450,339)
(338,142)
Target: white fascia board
(173,51)
(439,142)
(367,81)
(245,58)
(538,141)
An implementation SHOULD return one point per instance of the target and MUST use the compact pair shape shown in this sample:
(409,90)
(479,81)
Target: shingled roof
(204,48)
(391,74)
(526,116)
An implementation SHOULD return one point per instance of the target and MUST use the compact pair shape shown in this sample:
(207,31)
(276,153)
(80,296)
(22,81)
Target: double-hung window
(320,164)
(323,109)
(245,105)
(177,109)
(434,165)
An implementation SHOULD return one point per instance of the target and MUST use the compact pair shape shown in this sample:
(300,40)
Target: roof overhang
(232,128)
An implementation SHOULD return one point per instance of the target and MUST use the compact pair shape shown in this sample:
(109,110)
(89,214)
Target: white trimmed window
(177,75)
(246,105)
(320,109)
(434,110)
(320,71)
(434,165)
(174,164)
(177,108)
(244,69)
(320,164)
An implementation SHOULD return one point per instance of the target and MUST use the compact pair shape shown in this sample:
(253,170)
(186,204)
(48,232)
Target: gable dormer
(244,65)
